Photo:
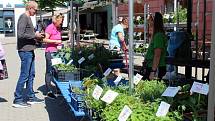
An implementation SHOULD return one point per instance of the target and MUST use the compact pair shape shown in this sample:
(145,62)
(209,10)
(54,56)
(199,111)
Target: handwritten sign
(137,78)
(70,62)
(163,109)
(90,57)
(97,92)
(200,88)
(125,113)
(109,96)
(117,80)
(171,91)
(81,60)
(56,61)
(107,72)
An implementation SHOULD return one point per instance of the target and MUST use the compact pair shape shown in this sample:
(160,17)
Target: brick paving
(51,110)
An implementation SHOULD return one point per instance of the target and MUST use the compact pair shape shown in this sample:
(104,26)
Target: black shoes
(20,104)
(35,100)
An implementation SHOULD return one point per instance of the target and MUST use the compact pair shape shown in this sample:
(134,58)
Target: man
(26,39)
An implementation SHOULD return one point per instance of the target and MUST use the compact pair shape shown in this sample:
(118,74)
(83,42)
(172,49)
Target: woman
(117,41)
(53,40)
(155,56)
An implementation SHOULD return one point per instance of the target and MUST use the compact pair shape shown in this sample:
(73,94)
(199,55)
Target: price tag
(107,72)
(79,52)
(171,91)
(81,60)
(109,96)
(69,62)
(90,57)
(118,79)
(97,92)
(163,109)
(56,61)
(200,88)
(125,113)
(137,78)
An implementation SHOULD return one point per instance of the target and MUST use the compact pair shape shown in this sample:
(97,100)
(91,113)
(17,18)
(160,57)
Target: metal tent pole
(188,70)
(203,42)
(131,31)
(71,27)
(211,97)
(197,35)
(78,27)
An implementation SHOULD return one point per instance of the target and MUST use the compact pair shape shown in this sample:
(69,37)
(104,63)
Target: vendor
(155,56)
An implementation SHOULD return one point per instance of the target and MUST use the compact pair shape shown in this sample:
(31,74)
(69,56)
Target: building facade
(10,11)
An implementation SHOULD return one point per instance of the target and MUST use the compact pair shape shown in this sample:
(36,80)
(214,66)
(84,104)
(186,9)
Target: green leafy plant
(150,90)
(66,68)
(182,15)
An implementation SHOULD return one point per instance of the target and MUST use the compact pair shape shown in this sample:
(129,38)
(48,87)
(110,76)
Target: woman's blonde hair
(31,4)
(57,17)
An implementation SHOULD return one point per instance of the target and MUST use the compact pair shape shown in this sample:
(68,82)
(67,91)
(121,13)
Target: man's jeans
(27,75)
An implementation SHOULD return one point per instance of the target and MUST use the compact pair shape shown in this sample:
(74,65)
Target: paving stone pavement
(51,110)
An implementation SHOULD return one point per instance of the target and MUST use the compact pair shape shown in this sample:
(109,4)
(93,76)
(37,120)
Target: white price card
(171,91)
(90,57)
(163,109)
(137,78)
(200,88)
(70,62)
(97,92)
(109,96)
(125,113)
(107,72)
(56,61)
(81,60)
(117,80)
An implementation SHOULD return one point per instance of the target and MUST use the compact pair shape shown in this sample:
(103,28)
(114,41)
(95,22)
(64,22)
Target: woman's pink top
(55,34)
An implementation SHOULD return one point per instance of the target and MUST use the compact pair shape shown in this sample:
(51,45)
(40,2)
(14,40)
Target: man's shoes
(51,95)
(35,100)
(20,104)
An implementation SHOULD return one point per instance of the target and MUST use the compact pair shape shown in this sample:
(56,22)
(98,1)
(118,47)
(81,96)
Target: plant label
(137,78)
(81,60)
(70,62)
(125,113)
(200,88)
(109,96)
(56,61)
(107,72)
(97,92)
(171,91)
(118,79)
(90,57)
(163,109)
(79,52)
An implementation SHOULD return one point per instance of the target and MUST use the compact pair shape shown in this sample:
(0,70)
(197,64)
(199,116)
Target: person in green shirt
(155,56)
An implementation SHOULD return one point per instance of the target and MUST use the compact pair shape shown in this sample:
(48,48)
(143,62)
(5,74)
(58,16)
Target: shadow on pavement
(3,100)
(58,110)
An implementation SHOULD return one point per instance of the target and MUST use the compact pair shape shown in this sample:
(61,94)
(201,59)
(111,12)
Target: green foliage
(140,111)
(141,49)
(182,14)
(150,90)
(66,68)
